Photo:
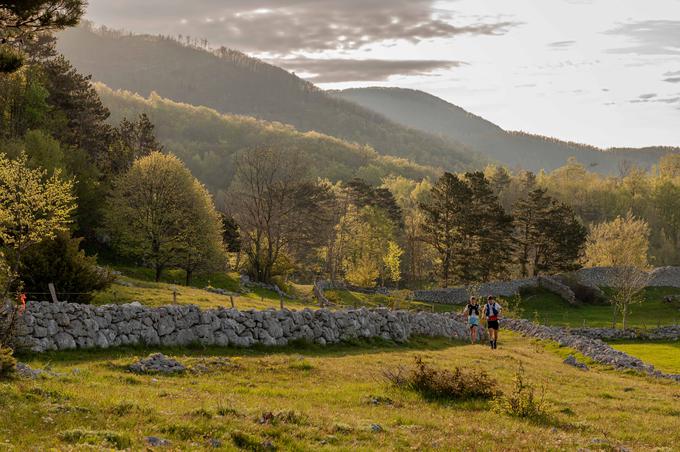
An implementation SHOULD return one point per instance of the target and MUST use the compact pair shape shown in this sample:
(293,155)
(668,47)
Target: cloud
(645,98)
(561,45)
(284,27)
(342,70)
(650,37)
(672,77)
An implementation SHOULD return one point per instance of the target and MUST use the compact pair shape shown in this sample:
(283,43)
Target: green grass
(324,398)
(665,356)
(348,299)
(550,309)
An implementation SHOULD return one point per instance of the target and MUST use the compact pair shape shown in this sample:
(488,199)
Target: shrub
(105,437)
(62,262)
(444,384)
(522,402)
(7,363)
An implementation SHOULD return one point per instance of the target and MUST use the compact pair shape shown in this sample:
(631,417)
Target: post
(174,295)
(281,300)
(53,293)
(231,298)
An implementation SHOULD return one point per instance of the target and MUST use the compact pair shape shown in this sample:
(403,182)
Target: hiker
(472,312)
(491,312)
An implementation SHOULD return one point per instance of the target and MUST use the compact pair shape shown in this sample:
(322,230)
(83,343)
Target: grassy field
(664,356)
(347,299)
(548,308)
(327,398)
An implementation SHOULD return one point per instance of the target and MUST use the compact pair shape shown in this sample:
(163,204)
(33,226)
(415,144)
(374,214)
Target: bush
(522,402)
(8,364)
(444,384)
(62,262)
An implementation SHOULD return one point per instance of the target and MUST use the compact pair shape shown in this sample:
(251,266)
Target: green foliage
(522,401)
(468,228)
(22,21)
(61,261)
(438,384)
(550,239)
(8,363)
(158,213)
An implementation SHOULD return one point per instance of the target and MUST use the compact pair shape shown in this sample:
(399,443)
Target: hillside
(231,82)
(207,140)
(423,111)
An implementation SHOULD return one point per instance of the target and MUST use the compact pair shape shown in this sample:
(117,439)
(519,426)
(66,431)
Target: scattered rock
(155,441)
(571,361)
(157,363)
(215,443)
(26,371)
(376,428)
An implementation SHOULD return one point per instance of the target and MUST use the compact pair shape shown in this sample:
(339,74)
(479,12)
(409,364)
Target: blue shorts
(473,321)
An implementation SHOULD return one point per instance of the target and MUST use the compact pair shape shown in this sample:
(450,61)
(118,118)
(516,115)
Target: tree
(33,208)
(152,212)
(622,244)
(61,261)
(468,227)
(548,236)
(446,224)
(22,21)
(203,248)
(281,212)
(623,241)
(392,261)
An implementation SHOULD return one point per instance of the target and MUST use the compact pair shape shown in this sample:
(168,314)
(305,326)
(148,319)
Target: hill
(431,114)
(232,82)
(206,141)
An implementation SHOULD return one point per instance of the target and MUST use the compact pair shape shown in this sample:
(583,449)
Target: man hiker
(492,311)
(472,312)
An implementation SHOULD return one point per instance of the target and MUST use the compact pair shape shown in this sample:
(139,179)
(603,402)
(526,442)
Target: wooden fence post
(231,298)
(53,293)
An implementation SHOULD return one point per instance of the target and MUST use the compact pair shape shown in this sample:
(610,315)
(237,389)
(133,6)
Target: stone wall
(594,277)
(62,326)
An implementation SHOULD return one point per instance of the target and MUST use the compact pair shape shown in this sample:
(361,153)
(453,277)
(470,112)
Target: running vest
(471,308)
(491,311)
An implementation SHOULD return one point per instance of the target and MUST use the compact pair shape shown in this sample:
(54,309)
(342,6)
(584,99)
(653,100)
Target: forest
(167,185)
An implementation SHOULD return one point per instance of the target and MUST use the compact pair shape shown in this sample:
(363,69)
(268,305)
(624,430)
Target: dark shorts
(492,324)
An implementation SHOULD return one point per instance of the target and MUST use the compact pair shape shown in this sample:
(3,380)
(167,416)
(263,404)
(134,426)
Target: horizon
(614,83)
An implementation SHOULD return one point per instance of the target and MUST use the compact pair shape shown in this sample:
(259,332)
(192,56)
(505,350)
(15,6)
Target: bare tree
(282,213)
(627,284)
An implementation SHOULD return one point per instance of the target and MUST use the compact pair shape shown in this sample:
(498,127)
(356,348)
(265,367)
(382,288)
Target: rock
(25,371)
(376,428)
(155,441)
(157,363)
(571,361)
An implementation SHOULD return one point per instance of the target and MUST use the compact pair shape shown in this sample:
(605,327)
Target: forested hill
(232,82)
(426,112)
(207,140)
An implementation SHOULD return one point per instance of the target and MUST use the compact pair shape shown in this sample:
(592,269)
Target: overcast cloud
(574,69)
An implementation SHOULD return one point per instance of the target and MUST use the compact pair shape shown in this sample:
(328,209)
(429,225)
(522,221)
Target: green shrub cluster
(523,401)
(8,363)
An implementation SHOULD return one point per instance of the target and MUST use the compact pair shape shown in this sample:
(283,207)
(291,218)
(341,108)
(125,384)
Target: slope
(232,82)
(207,140)
(426,112)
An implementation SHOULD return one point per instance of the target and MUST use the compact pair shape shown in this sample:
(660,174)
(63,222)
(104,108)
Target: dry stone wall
(62,326)
(594,277)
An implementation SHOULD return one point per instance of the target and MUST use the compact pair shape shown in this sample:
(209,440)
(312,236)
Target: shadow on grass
(353,348)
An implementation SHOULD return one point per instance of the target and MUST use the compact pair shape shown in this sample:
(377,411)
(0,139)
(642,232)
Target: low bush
(443,384)
(522,402)
(96,438)
(8,364)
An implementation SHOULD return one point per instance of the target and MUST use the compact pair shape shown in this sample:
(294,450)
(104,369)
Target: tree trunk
(624,315)
(159,271)
(189,273)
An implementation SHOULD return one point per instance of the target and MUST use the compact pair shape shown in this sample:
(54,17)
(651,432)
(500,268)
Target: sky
(602,72)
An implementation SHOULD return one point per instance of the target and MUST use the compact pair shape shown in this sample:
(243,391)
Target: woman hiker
(491,312)
(472,312)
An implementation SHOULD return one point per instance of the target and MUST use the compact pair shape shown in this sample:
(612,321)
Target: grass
(665,356)
(348,299)
(548,308)
(267,397)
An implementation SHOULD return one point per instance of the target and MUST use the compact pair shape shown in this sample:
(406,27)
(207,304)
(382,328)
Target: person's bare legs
(473,334)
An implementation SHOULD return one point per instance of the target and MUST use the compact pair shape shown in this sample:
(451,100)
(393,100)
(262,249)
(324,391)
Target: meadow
(332,398)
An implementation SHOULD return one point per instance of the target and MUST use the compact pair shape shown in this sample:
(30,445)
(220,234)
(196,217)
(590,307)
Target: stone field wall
(596,277)
(62,326)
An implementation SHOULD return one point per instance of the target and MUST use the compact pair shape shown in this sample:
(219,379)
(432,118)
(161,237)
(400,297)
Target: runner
(472,312)
(492,311)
